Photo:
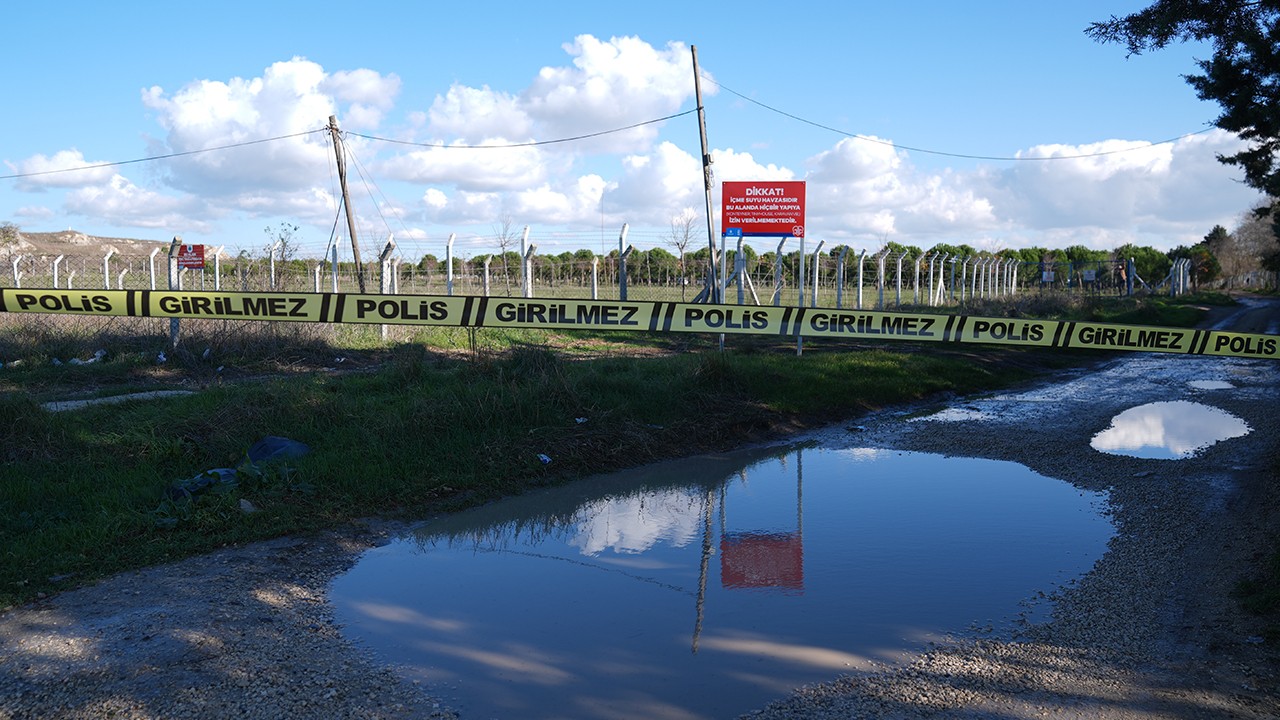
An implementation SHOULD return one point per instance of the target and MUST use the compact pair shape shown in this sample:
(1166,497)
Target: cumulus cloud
(473,114)
(291,97)
(122,203)
(1164,194)
(482,170)
(861,190)
(58,171)
(611,84)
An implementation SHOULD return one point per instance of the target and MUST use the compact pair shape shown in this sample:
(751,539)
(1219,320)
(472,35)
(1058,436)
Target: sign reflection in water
(606,599)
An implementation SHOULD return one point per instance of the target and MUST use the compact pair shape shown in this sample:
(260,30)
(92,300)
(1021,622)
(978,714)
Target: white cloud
(611,85)
(56,171)
(472,114)
(485,170)
(1161,195)
(120,202)
(291,97)
(35,212)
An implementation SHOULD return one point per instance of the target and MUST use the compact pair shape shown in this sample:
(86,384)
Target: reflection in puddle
(707,587)
(1168,430)
(1210,385)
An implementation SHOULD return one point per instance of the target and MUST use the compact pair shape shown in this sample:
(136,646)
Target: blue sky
(89,83)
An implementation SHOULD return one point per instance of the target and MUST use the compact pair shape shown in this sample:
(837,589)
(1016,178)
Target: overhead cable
(965,156)
(531,143)
(97,166)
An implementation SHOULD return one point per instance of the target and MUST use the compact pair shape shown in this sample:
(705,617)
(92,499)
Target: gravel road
(1148,634)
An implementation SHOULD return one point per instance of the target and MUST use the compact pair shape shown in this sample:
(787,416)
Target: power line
(531,143)
(159,157)
(965,156)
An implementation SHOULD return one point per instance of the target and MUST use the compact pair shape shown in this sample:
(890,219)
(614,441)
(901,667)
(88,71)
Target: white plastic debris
(160,358)
(545,460)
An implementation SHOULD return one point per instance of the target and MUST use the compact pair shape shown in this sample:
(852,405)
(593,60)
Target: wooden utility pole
(713,292)
(346,199)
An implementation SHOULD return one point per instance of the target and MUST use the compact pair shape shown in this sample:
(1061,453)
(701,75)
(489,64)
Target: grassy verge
(418,428)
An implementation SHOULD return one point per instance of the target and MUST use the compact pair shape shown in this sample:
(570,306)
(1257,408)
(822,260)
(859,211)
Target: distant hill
(71,242)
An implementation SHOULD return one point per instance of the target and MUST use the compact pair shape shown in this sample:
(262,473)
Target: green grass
(439,420)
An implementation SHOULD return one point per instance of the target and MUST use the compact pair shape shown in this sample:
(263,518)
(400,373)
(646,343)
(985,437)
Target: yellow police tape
(640,316)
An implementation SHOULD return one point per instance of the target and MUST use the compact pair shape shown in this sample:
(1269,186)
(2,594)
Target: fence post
(953,261)
(740,272)
(880,260)
(448,267)
(151,264)
(777,274)
(315,276)
(384,266)
(17,276)
(817,257)
(56,261)
(595,278)
(862,257)
(897,298)
(844,250)
(106,269)
(175,283)
(1128,285)
(622,270)
(70,276)
(487,260)
(526,289)
(527,264)
(333,269)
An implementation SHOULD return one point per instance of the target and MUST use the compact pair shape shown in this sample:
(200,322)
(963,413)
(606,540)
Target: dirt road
(1150,633)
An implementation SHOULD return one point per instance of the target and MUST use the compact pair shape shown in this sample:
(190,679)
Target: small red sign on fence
(191,256)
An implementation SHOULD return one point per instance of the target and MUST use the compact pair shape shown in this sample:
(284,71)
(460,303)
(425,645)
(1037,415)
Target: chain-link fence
(838,279)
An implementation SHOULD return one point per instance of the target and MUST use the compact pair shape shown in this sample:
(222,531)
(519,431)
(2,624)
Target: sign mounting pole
(713,290)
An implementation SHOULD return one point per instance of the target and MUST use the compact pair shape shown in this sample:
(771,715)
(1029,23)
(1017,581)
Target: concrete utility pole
(346,199)
(714,291)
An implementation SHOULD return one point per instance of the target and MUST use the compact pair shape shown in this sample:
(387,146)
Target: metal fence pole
(844,250)
(175,283)
(106,269)
(817,258)
(448,268)
(777,274)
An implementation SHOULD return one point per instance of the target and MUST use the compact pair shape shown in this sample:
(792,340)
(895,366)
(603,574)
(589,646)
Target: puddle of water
(956,414)
(1210,385)
(707,587)
(1168,430)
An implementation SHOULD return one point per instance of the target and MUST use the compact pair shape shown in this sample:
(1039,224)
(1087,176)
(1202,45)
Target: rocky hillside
(70,242)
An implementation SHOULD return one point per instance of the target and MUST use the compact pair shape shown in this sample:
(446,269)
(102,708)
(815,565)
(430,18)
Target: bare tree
(1242,252)
(283,237)
(680,237)
(505,234)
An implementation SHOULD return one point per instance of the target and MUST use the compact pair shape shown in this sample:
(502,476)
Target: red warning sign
(761,207)
(191,256)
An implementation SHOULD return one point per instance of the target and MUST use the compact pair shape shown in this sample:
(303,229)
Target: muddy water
(705,588)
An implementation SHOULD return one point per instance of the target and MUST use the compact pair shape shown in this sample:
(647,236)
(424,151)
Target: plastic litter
(544,459)
(268,449)
(274,447)
(160,358)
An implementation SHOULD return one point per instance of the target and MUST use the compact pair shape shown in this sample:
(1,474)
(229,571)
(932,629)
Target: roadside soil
(1150,633)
